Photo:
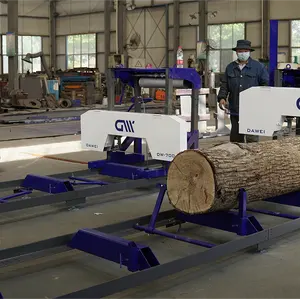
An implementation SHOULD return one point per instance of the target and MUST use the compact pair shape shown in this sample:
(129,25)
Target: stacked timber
(202,181)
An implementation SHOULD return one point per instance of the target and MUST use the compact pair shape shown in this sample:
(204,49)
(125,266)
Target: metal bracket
(46,184)
(135,256)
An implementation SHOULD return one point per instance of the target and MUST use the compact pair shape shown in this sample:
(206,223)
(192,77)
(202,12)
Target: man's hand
(222,104)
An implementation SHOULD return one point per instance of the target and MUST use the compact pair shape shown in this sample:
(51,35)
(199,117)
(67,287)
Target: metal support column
(167,35)
(169,94)
(202,32)
(53,33)
(12,19)
(273,50)
(109,76)
(176,36)
(121,17)
(265,28)
(107,27)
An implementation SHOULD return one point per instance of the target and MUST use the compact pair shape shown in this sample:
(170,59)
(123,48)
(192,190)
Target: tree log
(202,181)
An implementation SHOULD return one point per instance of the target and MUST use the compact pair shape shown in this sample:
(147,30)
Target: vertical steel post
(12,24)
(53,33)
(176,29)
(169,93)
(273,51)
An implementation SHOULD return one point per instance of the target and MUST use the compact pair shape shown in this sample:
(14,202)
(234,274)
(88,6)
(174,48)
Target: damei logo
(91,145)
(256,131)
(124,126)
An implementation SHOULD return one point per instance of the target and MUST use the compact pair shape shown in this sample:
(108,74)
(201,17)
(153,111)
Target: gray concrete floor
(271,274)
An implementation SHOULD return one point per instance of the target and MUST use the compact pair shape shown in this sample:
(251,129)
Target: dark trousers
(235,136)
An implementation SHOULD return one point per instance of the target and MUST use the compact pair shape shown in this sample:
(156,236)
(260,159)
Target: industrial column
(202,33)
(121,26)
(52,26)
(108,73)
(265,28)
(12,19)
(176,26)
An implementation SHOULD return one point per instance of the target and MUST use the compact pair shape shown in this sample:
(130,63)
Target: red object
(149,66)
(160,95)
(117,100)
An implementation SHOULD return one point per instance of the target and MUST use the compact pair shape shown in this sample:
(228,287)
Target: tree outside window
(295,39)
(222,39)
(26,44)
(81,51)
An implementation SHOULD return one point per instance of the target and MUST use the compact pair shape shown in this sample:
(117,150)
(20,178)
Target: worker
(241,74)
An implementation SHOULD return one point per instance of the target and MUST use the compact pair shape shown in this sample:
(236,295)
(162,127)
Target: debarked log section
(202,181)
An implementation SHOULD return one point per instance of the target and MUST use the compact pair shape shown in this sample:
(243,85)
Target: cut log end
(191,183)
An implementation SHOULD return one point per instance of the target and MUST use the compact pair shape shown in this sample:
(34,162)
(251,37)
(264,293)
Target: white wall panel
(46,45)
(284,9)
(69,7)
(141,3)
(3,25)
(80,24)
(188,37)
(61,45)
(231,11)
(253,33)
(283,55)
(100,42)
(37,8)
(3,8)
(256,54)
(28,26)
(101,63)
(61,62)
(283,33)
(187,9)
(160,2)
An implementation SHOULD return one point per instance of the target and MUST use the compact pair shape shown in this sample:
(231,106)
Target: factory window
(81,51)
(222,38)
(27,44)
(295,39)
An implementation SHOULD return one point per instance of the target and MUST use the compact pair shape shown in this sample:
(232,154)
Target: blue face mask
(243,56)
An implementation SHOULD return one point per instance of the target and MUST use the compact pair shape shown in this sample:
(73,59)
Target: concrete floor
(272,274)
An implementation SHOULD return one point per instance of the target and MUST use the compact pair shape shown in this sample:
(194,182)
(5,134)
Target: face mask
(243,56)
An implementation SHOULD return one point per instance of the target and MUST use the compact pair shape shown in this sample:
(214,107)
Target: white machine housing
(165,135)
(263,109)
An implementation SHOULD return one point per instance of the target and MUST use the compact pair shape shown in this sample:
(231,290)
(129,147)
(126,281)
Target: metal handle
(227,111)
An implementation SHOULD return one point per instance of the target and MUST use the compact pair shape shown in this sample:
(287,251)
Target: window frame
(292,47)
(21,54)
(221,49)
(89,53)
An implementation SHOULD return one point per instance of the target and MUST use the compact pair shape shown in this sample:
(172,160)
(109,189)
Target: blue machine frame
(286,77)
(120,164)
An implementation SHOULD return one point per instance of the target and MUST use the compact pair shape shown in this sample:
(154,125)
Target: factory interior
(119,175)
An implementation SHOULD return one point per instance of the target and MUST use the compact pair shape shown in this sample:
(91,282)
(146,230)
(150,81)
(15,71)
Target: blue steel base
(46,184)
(128,253)
(290,199)
(231,221)
(119,164)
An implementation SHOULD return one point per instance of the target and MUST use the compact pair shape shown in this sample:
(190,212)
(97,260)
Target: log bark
(202,181)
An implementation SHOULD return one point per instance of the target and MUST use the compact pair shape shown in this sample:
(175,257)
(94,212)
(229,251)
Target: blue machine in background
(289,76)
